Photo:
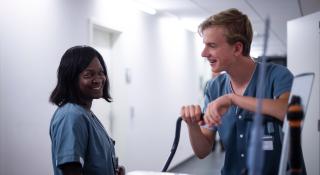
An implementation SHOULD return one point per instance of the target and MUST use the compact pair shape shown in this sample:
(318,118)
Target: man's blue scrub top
(236,122)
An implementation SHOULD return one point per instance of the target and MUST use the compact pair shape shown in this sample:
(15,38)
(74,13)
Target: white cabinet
(304,56)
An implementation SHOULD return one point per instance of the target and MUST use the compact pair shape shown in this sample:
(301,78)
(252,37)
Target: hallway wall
(163,59)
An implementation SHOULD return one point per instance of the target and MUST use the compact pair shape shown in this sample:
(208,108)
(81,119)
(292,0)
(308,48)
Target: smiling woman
(91,82)
(76,133)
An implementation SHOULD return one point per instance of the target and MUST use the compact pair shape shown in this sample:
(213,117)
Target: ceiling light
(190,24)
(144,7)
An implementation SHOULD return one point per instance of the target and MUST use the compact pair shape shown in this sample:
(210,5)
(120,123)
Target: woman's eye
(87,75)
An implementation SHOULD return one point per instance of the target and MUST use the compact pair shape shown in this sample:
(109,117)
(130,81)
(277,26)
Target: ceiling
(278,11)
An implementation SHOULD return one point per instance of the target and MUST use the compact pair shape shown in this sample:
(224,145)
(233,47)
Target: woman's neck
(86,104)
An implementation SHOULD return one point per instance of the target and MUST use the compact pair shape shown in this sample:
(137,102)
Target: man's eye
(212,45)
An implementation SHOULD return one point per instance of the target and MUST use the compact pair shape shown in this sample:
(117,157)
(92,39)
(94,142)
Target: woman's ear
(238,48)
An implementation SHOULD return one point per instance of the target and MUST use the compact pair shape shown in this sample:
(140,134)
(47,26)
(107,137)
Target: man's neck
(242,72)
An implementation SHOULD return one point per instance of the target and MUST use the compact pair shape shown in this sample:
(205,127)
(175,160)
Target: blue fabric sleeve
(283,80)
(206,102)
(70,138)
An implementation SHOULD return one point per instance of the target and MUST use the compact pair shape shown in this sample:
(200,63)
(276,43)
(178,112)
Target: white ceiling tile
(278,11)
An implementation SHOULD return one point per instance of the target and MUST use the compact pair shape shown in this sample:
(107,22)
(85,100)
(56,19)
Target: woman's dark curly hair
(72,63)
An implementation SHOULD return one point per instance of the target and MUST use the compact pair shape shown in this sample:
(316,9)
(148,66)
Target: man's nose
(205,52)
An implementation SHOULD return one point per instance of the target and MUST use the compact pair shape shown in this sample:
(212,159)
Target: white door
(101,107)
(114,115)
(304,56)
(101,38)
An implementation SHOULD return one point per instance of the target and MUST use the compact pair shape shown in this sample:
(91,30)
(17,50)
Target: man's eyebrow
(211,43)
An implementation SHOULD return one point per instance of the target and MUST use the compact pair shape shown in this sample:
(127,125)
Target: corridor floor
(211,165)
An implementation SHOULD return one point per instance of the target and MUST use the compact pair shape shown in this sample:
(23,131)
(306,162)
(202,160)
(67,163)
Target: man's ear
(238,48)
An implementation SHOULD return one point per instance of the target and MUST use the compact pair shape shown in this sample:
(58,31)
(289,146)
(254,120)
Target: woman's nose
(97,79)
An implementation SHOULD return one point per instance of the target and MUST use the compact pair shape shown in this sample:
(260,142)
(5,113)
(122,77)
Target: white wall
(162,57)
(304,56)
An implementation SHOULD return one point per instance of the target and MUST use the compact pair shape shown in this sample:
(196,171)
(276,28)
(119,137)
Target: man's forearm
(201,140)
(273,107)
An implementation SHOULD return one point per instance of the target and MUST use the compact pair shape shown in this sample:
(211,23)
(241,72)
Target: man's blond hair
(237,25)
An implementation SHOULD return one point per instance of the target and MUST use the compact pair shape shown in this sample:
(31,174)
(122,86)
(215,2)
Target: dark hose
(175,144)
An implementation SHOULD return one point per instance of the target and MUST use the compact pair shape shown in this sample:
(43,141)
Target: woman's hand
(121,170)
